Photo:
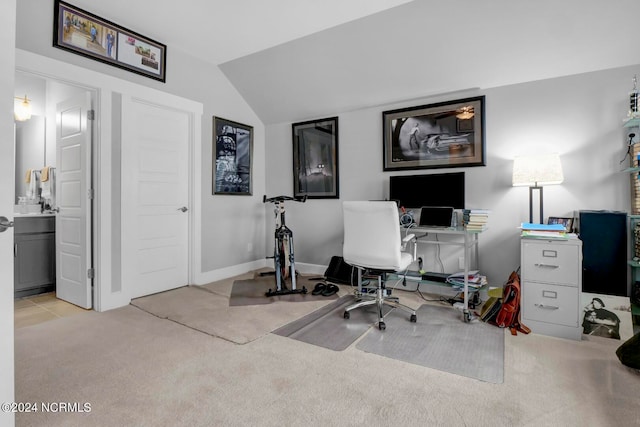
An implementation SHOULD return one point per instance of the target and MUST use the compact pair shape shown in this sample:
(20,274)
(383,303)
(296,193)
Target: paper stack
(475,280)
(544,231)
(475,219)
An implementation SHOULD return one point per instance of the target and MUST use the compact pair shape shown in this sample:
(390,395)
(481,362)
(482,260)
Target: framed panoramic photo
(232,156)
(443,135)
(315,159)
(86,34)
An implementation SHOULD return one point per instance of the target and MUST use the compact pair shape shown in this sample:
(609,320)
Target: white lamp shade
(537,170)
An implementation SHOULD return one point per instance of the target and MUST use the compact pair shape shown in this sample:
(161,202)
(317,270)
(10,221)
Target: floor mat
(326,327)
(252,291)
(210,313)
(441,340)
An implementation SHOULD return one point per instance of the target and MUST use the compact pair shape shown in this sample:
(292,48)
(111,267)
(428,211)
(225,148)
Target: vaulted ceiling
(303,59)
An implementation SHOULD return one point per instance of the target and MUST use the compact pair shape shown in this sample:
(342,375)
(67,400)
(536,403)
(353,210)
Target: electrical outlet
(461,263)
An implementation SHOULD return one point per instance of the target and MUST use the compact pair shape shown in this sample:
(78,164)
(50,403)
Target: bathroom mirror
(30,140)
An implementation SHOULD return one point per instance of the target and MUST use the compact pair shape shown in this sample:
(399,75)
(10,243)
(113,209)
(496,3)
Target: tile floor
(41,308)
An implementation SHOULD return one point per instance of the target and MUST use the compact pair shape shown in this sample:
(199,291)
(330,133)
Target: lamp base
(531,190)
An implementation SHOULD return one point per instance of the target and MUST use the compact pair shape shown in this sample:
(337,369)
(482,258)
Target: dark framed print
(567,222)
(315,159)
(86,34)
(442,135)
(232,157)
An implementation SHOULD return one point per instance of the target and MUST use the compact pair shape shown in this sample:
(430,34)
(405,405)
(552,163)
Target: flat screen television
(416,191)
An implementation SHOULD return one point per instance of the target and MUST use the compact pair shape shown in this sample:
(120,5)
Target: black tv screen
(416,191)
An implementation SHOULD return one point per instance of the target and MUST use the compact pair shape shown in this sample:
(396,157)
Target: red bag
(509,314)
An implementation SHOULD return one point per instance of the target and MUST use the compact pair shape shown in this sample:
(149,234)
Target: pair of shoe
(325,290)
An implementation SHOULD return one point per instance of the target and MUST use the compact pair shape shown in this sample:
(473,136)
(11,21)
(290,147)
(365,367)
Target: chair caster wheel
(346,315)
(413,318)
(382,326)
(304,290)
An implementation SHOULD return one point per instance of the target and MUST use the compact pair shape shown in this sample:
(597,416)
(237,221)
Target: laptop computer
(436,216)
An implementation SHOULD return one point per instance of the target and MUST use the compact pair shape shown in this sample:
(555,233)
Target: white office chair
(372,243)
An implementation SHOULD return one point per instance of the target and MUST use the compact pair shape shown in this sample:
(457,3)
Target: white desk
(468,242)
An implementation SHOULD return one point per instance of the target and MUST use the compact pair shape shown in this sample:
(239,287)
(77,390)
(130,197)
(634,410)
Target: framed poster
(315,159)
(232,156)
(443,135)
(86,34)
(606,316)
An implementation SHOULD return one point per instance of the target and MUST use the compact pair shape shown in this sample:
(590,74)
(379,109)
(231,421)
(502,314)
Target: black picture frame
(232,158)
(567,222)
(83,33)
(442,135)
(315,159)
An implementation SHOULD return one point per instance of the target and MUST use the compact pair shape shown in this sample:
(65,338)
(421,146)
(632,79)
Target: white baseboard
(304,268)
(223,273)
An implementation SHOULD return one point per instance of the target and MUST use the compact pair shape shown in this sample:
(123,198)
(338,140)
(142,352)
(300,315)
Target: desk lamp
(537,171)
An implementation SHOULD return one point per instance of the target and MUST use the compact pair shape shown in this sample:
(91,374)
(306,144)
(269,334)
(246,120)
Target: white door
(73,183)
(155,197)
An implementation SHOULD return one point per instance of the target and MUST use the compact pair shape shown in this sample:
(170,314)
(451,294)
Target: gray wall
(230,223)
(580,117)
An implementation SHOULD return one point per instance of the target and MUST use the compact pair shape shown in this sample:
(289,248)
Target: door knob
(5,223)
(183,209)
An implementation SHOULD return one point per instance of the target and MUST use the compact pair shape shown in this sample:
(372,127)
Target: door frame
(108,292)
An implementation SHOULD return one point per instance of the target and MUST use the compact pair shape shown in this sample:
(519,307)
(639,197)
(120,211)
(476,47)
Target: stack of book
(490,309)
(544,231)
(475,219)
(474,281)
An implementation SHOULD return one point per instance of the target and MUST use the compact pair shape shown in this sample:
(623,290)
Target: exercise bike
(284,264)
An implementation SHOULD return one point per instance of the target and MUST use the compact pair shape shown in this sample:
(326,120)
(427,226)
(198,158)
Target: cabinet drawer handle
(546,265)
(547,307)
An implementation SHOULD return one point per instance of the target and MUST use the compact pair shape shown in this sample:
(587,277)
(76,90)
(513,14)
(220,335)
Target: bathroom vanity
(34,254)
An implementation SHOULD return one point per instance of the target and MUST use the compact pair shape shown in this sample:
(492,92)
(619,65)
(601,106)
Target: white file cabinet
(551,275)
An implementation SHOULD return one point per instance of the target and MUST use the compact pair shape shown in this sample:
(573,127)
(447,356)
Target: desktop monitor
(416,191)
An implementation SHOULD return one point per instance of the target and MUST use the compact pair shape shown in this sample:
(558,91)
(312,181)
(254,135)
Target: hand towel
(44,174)
(27,177)
(32,191)
(48,186)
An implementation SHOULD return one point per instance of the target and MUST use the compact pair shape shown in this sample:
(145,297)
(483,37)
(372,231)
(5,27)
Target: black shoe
(330,290)
(320,288)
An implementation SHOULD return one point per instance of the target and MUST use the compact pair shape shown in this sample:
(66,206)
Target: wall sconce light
(465,113)
(22,110)
(537,171)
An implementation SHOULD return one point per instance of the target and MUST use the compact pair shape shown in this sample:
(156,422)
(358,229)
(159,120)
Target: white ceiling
(221,30)
(302,59)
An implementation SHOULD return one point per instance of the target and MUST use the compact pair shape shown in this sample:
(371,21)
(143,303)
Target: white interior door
(73,184)
(155,197)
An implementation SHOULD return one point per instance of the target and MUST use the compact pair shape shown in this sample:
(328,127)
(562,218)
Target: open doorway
(43,262)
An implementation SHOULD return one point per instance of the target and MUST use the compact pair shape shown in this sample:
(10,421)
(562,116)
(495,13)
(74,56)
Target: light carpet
(441,340)
(136,369)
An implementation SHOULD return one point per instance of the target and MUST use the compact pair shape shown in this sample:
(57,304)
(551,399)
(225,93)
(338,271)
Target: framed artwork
(232,157)
(606,316)
(315,159)
(86,34)
(567,222)
(443,135)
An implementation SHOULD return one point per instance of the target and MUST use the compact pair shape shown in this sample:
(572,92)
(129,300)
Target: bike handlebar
(283,198)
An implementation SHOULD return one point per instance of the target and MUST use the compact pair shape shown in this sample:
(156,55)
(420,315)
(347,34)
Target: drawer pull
(547,307)
(546,265)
